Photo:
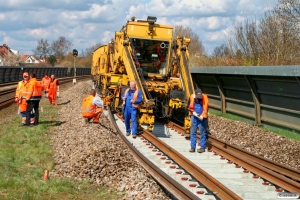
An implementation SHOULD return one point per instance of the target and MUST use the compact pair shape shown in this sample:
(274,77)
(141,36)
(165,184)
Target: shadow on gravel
(64,103)
(108,128)
(53,123)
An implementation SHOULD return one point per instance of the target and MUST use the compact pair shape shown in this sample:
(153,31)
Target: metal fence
(8,74)
(264,95)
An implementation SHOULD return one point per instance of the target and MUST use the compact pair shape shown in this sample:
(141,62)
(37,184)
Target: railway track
(222,172)
(7,91)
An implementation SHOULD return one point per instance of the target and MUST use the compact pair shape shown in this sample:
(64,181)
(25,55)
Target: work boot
(127,134)
(192,150)
(201,150)
(133,136)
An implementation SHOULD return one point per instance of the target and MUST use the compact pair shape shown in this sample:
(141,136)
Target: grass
(25,153)
(278,131)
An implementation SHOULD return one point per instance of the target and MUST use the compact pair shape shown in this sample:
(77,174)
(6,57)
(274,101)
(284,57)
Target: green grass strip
(24,155)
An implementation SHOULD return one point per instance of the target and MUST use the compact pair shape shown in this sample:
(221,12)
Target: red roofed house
(30,59)
(4,50)
(9,57)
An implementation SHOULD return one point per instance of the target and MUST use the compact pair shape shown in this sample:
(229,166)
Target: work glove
(195,114)
(200,117)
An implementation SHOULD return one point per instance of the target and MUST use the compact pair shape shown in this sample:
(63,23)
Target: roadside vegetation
(25,152)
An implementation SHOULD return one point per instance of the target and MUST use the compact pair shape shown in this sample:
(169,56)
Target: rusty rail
(199,174)
(167,182)
(267,169)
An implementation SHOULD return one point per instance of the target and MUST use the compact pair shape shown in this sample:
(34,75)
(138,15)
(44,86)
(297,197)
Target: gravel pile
(255,140)
(91,151)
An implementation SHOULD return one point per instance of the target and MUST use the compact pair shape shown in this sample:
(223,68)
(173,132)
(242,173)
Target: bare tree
(43,49)
(195,44)
(61,47)
(13,59)
(223,51)
(289,10)
(88,55)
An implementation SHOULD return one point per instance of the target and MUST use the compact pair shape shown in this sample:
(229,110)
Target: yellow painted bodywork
(115,64)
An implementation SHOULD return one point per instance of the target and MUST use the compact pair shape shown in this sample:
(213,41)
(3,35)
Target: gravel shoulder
(91,151)
(269,145)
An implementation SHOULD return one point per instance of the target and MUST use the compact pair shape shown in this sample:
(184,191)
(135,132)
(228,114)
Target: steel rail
(279,168)
(267,169)
(199,174)
(179,191)
(263,172)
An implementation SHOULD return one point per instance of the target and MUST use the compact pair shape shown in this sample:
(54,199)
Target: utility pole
(75,54)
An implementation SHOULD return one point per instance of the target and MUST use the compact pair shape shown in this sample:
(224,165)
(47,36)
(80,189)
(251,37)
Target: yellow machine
(146,52)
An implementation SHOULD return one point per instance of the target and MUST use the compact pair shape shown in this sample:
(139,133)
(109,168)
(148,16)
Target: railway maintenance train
(147,53)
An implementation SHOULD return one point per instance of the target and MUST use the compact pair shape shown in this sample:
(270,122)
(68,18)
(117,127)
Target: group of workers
(29,94)
(197,106)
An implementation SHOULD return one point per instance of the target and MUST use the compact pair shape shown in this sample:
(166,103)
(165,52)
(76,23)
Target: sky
(88,22)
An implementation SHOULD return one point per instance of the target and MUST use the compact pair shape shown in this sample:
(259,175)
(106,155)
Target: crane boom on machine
(147,53)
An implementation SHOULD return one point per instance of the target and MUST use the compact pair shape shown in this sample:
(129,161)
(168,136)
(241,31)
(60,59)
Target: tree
(195,44)
(289,10)
(13,59)
(61,47)
(43,49)
(88,55)
(52,60)
(222,51)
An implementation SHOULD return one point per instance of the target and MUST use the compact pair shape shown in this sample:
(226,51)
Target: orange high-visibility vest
(53,84)
(22,91)
(45,83)
(135,97)
(204,105)
(33,90)
(23,105)
(18,90)
(87,107)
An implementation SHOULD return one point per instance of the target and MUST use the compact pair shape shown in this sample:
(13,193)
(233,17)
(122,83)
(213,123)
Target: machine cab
(150,55)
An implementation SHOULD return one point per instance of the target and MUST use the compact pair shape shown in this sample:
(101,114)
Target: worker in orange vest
(131,99)
(91,107)
(53,88)
(33,96)
(22,101)
(45,85)
(198,107)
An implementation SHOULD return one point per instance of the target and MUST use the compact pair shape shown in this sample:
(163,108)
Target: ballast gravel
(92,151)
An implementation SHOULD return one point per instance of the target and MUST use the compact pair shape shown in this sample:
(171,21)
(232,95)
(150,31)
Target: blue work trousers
(130,113)
(202,125)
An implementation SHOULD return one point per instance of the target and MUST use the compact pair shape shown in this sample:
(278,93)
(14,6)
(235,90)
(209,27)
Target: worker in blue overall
(131,99)
(198,107)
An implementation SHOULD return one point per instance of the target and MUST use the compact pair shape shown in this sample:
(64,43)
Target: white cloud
(94,12)
(2,16)
(39,33)
(88,22)
(107,36)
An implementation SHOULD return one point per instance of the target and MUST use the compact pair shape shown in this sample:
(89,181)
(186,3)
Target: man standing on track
(131,100)
(91,107)
(198,107)
(33,96)
(45,84)
(53,88)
